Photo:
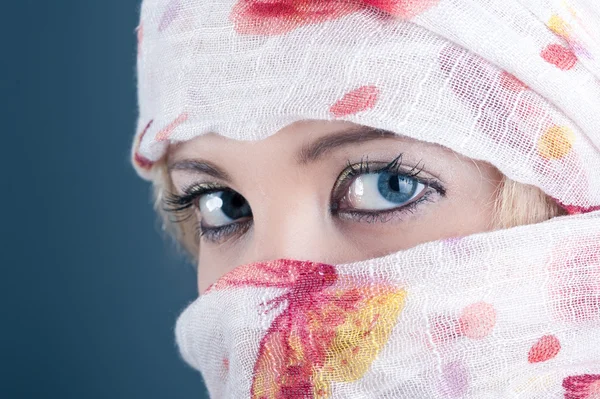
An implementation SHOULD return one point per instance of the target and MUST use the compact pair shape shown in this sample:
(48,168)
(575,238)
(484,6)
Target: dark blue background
(90,290)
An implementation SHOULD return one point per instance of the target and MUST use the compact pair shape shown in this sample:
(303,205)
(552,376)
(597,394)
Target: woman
(391,198)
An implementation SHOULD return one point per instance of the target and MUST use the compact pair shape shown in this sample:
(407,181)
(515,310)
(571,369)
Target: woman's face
(327,191)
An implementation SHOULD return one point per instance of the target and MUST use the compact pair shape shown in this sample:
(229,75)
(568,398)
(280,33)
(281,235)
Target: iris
(396,188)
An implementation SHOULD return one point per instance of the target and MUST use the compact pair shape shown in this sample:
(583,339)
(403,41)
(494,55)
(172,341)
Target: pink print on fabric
(141,161)
(476,321)
(586,386)
(361,99)
(167,131)
(563,57)
(170,14)
(256,17)
(331,329)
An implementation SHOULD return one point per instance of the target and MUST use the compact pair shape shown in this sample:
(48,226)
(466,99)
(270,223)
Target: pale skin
(284,198)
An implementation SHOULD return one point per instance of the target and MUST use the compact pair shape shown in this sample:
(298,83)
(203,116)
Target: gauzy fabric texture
(508,314)
(512,82)
(511,313)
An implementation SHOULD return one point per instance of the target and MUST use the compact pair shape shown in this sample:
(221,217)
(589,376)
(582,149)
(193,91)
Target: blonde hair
(516,204)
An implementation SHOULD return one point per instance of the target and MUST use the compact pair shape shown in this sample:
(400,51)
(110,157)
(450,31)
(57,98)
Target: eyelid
(389,214)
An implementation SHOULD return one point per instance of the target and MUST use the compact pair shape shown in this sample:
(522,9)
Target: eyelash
(184,204)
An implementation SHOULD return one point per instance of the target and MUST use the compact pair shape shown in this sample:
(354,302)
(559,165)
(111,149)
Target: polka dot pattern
(455,380)
(544,349)
(361,99)
(558,25)
(556,142)
(477,320)
(479,107)
(560,56)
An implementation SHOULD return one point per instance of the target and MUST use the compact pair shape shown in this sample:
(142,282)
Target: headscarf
(516,83)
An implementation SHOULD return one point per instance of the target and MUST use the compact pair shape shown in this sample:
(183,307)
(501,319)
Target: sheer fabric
(511,313)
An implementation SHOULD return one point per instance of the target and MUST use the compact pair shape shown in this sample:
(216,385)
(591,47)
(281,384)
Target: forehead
(297,135)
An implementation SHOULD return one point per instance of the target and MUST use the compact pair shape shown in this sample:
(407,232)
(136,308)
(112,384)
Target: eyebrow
(308,153)
(199,166)
(357,134)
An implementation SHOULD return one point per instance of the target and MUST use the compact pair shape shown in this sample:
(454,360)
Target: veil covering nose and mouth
(516,83)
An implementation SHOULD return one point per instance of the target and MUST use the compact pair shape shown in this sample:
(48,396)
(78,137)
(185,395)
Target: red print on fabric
(330,330)
(576,210)
(255,17)
(361,99)
(141,161)
(544,349)
(561,56)
(586,386)
(167,131)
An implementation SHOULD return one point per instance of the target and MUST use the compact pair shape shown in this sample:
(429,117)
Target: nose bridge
(289,224)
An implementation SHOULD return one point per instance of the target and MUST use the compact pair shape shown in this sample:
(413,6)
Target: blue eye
(398,189)
(223,207)
(382,190)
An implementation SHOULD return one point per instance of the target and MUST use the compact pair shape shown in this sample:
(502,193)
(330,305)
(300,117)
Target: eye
(221,208)
(384,193)
(220,211)
(382,190)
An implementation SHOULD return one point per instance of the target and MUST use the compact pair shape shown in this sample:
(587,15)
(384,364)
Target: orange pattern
(556,142)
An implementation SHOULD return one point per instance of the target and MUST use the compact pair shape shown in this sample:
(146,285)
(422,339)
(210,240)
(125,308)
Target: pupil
(235,205)
(237,200)
(394,183)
